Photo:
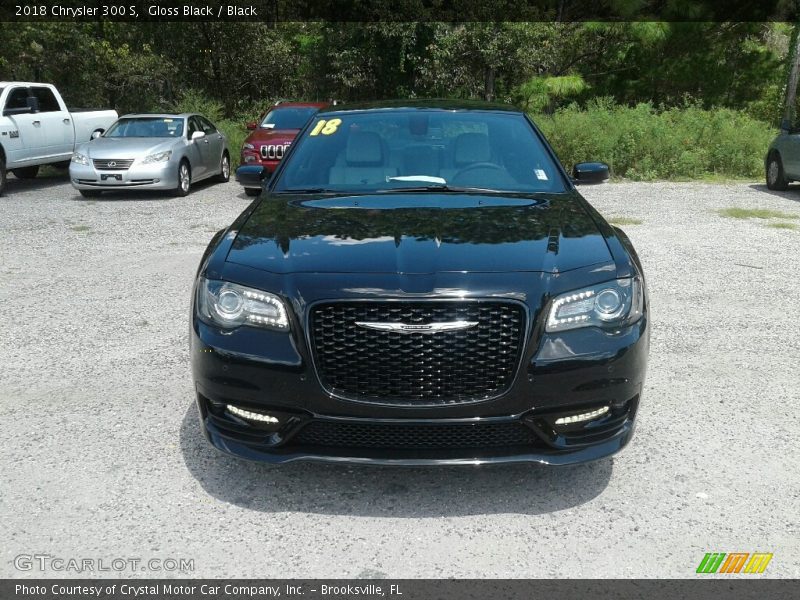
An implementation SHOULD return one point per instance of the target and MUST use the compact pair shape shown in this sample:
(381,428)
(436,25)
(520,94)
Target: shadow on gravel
(793,193)
(387,491)
(41,182)
(141,195)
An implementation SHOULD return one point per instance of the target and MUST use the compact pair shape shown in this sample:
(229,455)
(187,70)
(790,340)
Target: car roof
(423,104)
(158,115)
(280,105)
(26,83)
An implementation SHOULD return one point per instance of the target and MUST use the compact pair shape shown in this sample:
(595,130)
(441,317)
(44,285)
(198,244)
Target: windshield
(420,150)
(288,117)
(147,127)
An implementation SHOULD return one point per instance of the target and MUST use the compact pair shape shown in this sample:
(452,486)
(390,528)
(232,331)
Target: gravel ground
(102,456)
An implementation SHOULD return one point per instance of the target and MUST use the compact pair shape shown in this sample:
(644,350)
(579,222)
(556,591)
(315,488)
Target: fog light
(587,416)
(251,416)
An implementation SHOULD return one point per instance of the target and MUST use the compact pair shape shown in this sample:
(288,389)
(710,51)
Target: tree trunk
(791,89)
(488,85)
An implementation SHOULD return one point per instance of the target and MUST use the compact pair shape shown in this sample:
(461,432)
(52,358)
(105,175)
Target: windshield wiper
(316,190)
(438,188)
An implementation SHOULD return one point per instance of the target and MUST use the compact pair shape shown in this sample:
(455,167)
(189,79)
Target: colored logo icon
(734,562)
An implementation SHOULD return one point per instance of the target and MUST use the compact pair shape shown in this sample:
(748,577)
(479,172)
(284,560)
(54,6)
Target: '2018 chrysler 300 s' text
(420,283)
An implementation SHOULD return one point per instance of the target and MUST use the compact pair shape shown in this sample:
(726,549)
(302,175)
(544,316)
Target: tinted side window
(17,98)
(47,99)
(208,126)
(194,125)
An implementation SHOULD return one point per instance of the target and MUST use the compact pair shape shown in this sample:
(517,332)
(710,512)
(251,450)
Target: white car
(36,128)
(151,152)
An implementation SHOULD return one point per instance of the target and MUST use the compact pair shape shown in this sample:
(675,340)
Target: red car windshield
(288,117)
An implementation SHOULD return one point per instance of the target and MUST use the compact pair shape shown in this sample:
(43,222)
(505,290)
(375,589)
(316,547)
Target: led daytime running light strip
(251,416)
(571,298)
(582,417)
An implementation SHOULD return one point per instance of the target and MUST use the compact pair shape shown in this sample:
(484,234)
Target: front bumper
(565,374)
(156,176)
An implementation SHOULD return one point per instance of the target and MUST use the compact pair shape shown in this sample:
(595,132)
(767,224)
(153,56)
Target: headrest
(364,148)
(161,129)
(471,148)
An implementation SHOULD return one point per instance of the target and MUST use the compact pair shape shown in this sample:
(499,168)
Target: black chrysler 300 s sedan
(420,284)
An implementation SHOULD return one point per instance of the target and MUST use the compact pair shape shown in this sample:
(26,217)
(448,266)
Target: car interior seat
(468,149)
(363,160)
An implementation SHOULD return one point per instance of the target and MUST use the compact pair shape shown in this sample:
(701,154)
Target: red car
(271,137)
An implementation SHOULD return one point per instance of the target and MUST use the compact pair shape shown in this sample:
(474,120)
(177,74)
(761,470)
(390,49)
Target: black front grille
(113,164)
(417,368)
(399,436)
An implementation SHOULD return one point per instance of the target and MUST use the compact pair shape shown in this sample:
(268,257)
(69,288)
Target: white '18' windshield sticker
(540,174)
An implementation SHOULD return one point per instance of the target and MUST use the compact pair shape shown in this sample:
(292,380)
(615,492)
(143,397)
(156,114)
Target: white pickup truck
(36,128)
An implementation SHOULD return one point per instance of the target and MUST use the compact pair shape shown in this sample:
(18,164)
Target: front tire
(184,179)
(224,169)
(26,172)
(776,178)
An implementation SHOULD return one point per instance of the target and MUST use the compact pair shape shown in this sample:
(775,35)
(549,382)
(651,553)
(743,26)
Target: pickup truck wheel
(90,193)
(184,179)
(2,175)
(26,172)
(252,191)
(776,178)
(224,169)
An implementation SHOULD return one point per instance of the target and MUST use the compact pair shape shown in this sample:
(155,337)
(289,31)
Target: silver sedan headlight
(157,158)
(610,304)
(230,305)
(80,159)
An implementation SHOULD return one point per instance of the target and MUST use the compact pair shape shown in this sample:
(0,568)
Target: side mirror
(590,172)
(252,125)
(198,135)
(786,125)
(96,134)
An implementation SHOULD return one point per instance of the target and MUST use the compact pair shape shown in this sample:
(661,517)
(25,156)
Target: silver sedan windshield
(154,127)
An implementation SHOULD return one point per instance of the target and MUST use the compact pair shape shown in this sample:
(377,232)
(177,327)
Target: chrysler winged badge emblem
(418,328)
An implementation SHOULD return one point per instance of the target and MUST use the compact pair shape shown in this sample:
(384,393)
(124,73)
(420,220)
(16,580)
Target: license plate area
(112,176)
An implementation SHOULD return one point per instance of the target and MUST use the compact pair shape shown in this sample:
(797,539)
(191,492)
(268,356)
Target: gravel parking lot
(102,456)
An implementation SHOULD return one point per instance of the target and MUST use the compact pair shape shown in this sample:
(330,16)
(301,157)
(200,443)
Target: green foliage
(235,131)
(643,143)
(192,100)
(538,94)
(755,213)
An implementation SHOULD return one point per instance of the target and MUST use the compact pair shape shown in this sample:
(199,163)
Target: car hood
(265,136)
(127,147)
(419,233)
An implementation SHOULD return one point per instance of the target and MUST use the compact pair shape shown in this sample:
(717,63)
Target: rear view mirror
(252,125)
(198,135)
(590,172)
(96,134)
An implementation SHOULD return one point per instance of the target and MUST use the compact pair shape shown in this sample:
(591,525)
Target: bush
(235,131)
(643,143)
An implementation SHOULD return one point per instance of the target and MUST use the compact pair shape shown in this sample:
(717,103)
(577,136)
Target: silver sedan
(151,151)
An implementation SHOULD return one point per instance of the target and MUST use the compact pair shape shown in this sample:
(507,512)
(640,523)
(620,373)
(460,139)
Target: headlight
(230,305)
(80,159)
(615,303)
(156,158)
(248,147)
